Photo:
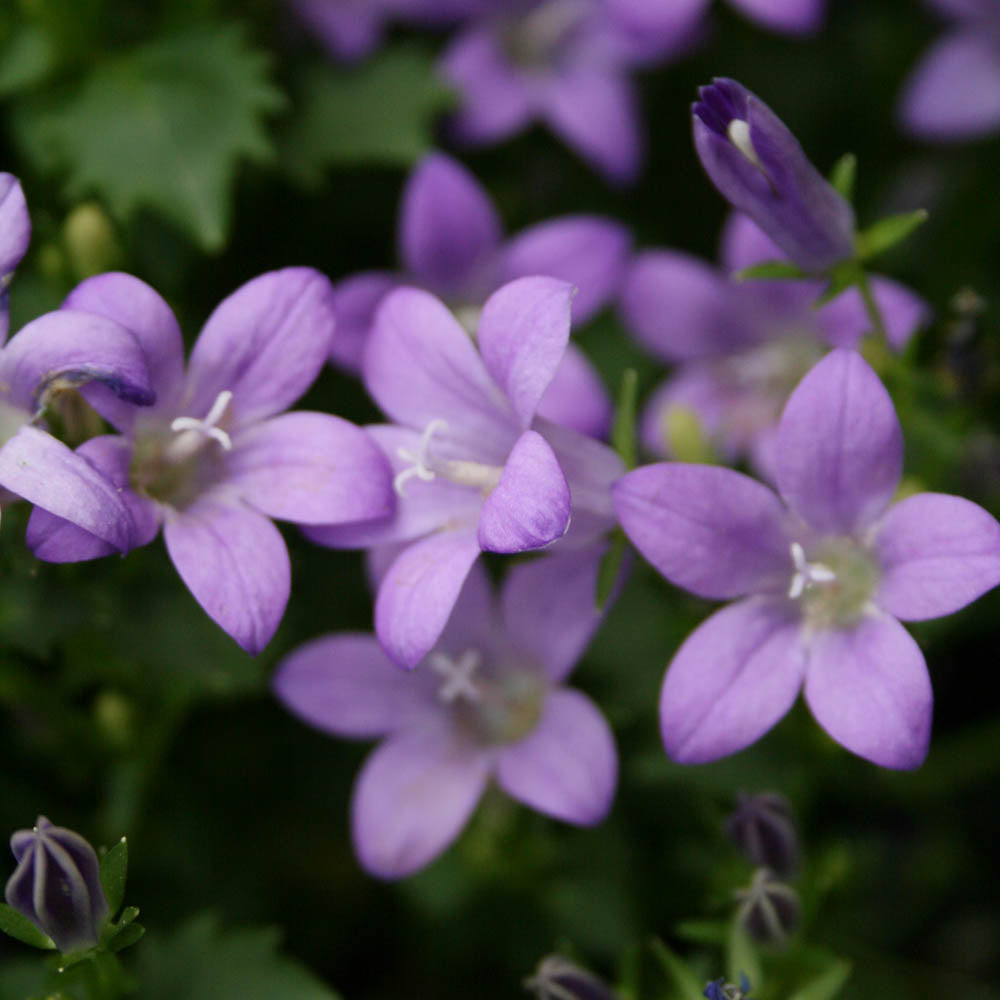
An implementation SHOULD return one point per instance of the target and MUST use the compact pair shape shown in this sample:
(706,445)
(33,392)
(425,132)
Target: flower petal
(937,553)
(312,468)
(798,17)
(710,530)
(412,798)
(234,562)
(530,506)
(15,224)
(840,446)
(845,319)
(567,767)
(355,300)
(523,332)
(733,678)
(868,688)
(576,397)
(348,32)
(419,591)
(265,344)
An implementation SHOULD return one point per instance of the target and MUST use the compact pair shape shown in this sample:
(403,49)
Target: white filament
(457,674)
(209,425)
(806,573)
(420,467)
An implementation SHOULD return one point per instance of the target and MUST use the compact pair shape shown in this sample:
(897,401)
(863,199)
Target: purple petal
(134,305)
(937,553)
(474,621)
(588,251)
(348,31)
(710,530)
(449,230)
(868,688)
(954,93)
(265,343)
(567,766)
(413,796)
(845,320)
(549,608)
(798,17)
(346,685)
(43,471)
(523,332)
(312,468)
(655,29)
(840,446)
(355,300)
(733,678)
(15,224)
(418,593)
(576,397)
(234,562)
(743,243)
(530,506)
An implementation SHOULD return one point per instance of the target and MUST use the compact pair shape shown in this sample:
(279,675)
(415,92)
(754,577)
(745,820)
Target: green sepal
(126,937)
(843,174)
(844,276)
(114,869)
(687,985)
(888,232)
(623,431)
(827,984)
(610,569)
(772,270)
(19,927)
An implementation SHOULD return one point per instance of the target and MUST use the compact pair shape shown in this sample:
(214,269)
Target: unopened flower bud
(763,828)
(57,885)
(719,989)
(557,978)
(769,909)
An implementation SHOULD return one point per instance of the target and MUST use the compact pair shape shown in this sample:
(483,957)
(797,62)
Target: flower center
(834,583)
(532,41)
(460,472)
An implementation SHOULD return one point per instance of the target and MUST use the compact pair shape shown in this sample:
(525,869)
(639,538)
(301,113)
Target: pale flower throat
(834,582)
(423,467)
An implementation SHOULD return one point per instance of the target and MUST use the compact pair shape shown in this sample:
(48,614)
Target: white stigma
(420,467)
(739,135)
(457,674)
(807,574)
(208,425)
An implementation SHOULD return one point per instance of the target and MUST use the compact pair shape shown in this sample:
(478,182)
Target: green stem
(871,306)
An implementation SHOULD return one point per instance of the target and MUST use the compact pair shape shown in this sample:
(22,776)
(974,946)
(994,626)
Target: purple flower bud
(769,909)
(762,826)
(759,166)
(719,989)
(556,978)
(57,885)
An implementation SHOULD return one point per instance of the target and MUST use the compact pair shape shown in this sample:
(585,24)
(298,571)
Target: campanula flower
(487,702)
(822,577)
(216,458)
(759,167)
(557,978)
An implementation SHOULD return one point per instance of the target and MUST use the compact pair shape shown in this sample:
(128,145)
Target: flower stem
(871,306)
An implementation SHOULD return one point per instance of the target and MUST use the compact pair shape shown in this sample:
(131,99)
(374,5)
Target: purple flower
(954,93)
(823,576)
(558,978)
(741,348)
(15,232)
(57,885)
(451,243)
(487,702)
(758,165)
(475,468)
(217,457)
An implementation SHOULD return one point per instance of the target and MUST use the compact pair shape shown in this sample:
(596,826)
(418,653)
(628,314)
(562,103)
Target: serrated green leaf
(827,984)
(888,232)
(126,937)
(381,112)
(162,127)
(26,59)
(114,871)
(623,431)
(19,927)
(688,985)
(843,174)
(771,270)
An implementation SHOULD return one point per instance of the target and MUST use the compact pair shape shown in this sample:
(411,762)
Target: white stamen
(207,426)
(739,135)
(807,574)
(420,467)
(457,674)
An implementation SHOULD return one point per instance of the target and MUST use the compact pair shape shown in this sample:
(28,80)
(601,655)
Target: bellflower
(758,165)
(450,241)
(740,348)
(486,703)
(822,575)
(15,232)
(217,457)
(475,468)
(954,93)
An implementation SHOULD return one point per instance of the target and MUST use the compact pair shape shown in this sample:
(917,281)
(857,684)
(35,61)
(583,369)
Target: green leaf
(201,962)
(162,127)
(741,957)
(827,984)
(772,270)
(610,569)
(381,112)
(623,432)
(26,59)
(688,985)
(114,869)
(888,232)
(714,932)
(843,174)
(19,927)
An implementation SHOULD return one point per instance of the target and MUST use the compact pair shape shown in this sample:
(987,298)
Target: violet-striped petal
(523,332)
(797,17)
(588,251)
(43,471)
(355,300)
(265,343)
(868,688)
(710,530)
(418,593)
(15,224)
(449,230)
(234,562)
(840,446)
(530,506)
(576,397)
(937,554)
(412,798)
(566,766)
(845,319)
(312,468)
(733,678)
